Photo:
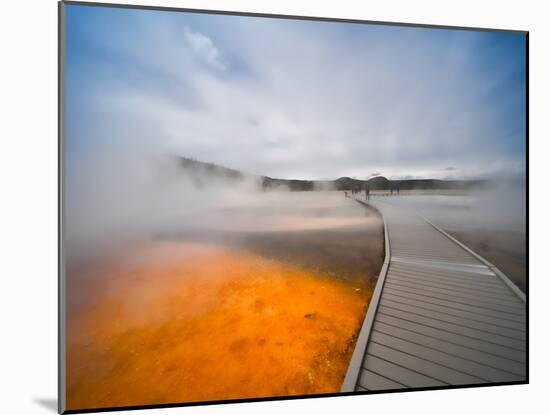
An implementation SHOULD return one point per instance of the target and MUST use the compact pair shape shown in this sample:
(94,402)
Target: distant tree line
(201,172)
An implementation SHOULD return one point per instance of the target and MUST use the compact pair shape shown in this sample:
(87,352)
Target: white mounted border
(356,361)
(492,267)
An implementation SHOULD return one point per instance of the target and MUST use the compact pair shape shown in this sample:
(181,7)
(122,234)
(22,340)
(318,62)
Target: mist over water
(172,283)
(501,207)
(144,194)
(122,197)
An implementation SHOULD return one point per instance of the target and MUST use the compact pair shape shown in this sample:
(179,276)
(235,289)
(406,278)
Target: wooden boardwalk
(440,314)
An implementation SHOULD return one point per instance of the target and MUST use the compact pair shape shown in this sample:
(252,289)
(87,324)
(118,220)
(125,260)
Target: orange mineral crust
(183,322)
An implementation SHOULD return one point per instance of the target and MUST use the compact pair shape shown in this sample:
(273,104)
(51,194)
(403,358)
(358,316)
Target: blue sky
(294,99)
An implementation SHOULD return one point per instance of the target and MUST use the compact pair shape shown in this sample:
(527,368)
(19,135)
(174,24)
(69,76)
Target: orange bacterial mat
(185,322)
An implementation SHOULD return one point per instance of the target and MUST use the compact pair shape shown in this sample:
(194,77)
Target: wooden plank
(422,366)
(416,276)
(510,305)
(458,321)
(467,315)
(430,249)
(452,328)
(373,381)
(506,297)
(451,281)
(476,344)
(466,268)
(416,257)
(451,285)
(454,349)
(443,358)
(476,276)
(399,374)
(469,296)
(433,241)
(456,275)
(518,318)
(462,300)
(451,255)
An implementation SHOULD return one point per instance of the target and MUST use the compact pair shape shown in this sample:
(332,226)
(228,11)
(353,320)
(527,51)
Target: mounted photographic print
(271,207)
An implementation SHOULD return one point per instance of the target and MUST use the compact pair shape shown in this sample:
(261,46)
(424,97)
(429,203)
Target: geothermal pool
(256,298)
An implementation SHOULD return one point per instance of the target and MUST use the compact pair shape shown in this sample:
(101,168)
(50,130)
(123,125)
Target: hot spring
(258,299)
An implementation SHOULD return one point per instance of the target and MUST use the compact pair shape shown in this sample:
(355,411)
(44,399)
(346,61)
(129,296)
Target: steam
(129,195)
(143,87)
(121,197)
(498,206)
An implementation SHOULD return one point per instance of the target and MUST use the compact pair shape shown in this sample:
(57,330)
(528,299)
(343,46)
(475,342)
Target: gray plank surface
(452,348)
(443,316)
(377,382)
(398,373)
(519,318)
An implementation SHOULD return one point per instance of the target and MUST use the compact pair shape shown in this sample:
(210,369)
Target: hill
(203,174)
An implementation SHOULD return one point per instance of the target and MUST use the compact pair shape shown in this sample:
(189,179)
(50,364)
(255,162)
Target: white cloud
(311,103)
(203,46)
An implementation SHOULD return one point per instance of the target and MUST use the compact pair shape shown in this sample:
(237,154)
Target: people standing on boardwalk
(367,191)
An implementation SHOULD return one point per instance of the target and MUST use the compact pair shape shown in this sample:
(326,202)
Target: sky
(292,98)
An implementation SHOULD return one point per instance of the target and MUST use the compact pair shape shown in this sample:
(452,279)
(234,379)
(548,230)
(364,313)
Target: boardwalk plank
(476,344)
(446,359)
(451,283)
(399,374)
(451,348)
(459,321)
(454,293)
(458,299)
(518,318)
(457,275)
(460,287)
(453,328)
(373,381)
(467,315)
(422,366)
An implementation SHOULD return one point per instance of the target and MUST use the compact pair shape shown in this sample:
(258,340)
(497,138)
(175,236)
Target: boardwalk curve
(440,314)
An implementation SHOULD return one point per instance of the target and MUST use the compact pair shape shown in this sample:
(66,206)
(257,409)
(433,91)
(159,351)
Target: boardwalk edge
(354,368)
